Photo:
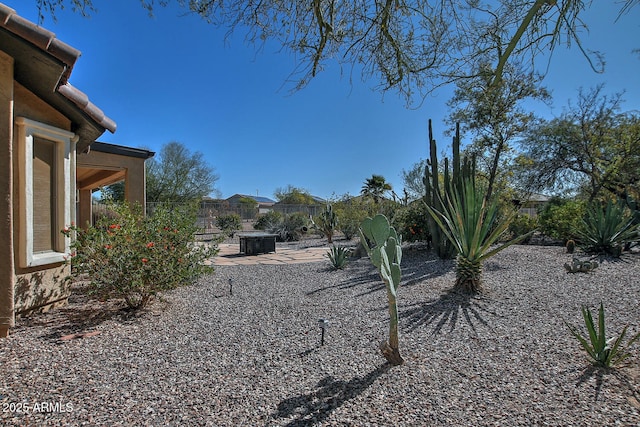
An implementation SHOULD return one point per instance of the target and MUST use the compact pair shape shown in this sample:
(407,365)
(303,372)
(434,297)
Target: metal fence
(208,211)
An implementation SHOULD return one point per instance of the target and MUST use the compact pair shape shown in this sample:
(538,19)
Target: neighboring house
(531,204)
(49,163)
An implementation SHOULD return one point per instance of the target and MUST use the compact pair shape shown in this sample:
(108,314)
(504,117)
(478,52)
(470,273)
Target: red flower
(112,226)
(150,244)
(144,260)
(107,246)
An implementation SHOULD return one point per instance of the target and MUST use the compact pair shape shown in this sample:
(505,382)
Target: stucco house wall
(44,122)
(42,286)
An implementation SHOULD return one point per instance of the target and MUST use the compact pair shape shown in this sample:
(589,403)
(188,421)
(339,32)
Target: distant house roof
(43,64)
(258,199)
(318,199)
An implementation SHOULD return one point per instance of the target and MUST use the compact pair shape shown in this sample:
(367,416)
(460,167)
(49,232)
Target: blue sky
(173,77)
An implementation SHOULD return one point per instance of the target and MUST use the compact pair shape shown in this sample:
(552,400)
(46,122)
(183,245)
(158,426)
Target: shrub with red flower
(154,253)
(412,222)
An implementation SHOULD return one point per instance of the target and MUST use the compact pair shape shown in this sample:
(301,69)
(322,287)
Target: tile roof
(47,42)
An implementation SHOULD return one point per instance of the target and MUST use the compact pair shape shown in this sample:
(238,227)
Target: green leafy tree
(413,180)
(351,211)
(493,114)
(561,218)
(113,192)
(291,195)
(592,148)
(177,175)
(375,187)
(248,207)
(409,46)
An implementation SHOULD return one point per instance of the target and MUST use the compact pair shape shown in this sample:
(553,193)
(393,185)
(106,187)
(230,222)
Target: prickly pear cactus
(578,266)
(384,247)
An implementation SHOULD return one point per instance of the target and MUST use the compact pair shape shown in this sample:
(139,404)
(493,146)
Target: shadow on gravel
(79,316)
(447,309)
(417,266)
(314,407)
(598,374)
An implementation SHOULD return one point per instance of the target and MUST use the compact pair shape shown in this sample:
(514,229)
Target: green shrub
(292,227)
(603,352)
(606,230)
(134,257)
(561,219)
(522,224)
(338,255)
(229,224)
(351,212)
(268,220)
(411,221)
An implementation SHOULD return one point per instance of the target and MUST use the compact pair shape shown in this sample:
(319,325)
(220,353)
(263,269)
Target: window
(46,179)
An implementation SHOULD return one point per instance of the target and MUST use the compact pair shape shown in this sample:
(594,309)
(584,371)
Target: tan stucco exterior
(109,168)
(41,287)
(6,193)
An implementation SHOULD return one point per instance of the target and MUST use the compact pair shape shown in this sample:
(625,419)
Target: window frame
(64,171)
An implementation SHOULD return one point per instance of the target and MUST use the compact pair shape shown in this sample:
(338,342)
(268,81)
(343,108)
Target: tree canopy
(592,147)
(409,46)
(375,187)
(291,195)
(178,175)
(493,114)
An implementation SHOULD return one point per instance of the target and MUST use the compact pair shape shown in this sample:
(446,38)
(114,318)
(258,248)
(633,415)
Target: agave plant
(338,256)
(604,353)
(607,230)
(471,224)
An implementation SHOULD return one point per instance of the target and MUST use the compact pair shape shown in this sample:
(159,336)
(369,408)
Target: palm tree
(375,187)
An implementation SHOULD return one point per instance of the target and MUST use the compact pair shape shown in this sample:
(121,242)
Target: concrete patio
(230,255)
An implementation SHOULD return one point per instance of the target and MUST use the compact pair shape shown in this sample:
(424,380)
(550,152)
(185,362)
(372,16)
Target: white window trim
(65,160)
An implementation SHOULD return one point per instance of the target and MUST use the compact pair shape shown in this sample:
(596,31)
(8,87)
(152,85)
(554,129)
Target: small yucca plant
(604,353)
(338,255)
(472,226)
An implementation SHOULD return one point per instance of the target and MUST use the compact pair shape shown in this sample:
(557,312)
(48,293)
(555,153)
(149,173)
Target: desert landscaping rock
(204,357)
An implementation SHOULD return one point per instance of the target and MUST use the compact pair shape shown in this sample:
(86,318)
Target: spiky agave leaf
(470,225)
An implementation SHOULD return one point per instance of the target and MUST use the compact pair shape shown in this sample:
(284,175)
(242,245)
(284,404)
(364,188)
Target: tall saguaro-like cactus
(436,191)
(384,247)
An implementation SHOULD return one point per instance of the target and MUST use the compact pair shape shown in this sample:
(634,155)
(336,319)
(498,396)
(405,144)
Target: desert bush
(292,227)
(134,257)
(268,220)
(561,219)
(229,223)
(522,224)
(351,212)
(411,221)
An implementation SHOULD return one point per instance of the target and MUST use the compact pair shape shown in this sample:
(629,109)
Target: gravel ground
(206,357)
